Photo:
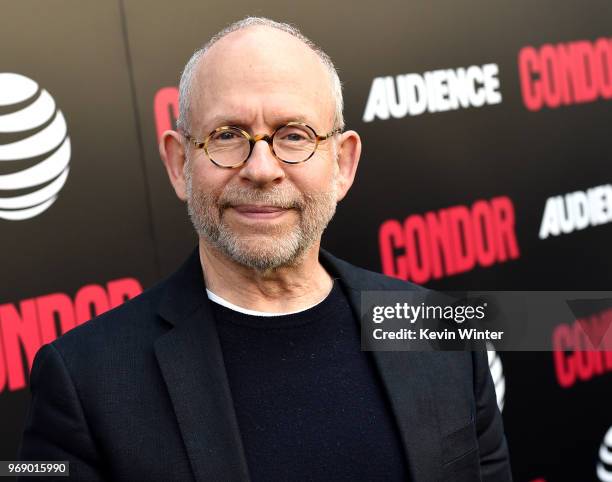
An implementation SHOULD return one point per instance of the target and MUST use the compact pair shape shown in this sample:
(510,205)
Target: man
(246,363)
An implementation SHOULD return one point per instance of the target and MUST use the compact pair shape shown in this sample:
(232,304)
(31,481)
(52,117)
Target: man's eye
(226,136)
(294,137)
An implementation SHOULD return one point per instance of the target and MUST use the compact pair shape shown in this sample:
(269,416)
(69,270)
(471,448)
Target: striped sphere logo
(497,373)
(604,466)
(34,148)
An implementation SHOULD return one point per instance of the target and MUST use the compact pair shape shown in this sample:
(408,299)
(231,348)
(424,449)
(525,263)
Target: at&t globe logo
(604,466)
(34,148)
(497,373)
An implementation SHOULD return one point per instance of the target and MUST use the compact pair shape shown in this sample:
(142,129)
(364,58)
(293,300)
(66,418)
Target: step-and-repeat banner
(487,165)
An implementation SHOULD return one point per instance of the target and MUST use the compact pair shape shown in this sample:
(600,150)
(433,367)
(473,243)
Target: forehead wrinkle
(256,116)
(260,109)
(273,122)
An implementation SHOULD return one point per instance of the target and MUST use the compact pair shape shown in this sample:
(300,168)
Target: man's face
(264,214)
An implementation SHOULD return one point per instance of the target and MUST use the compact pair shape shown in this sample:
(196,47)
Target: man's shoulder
(133,323)
(140,319)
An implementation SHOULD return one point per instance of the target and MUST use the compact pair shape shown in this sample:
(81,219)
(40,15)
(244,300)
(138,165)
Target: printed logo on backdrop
(449,241)
(497,373)
(436,91)
(165,109)
(28,324)
(34,148)
(566,73)
(604,465)
(576,210)
(573,357)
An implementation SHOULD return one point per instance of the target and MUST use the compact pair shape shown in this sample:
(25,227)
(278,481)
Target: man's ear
(172,152)
(349,151)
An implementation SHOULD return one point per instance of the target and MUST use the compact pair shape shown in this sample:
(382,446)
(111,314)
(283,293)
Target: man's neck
(282,290)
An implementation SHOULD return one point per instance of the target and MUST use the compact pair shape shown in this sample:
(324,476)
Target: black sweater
(309,403)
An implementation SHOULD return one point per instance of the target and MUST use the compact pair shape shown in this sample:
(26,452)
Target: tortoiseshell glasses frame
(252,139)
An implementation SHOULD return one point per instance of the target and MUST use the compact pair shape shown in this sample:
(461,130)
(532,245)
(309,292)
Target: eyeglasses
(231,146)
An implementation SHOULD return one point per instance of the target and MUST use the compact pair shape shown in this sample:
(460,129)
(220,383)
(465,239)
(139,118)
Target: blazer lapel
(405,377)
(191,362)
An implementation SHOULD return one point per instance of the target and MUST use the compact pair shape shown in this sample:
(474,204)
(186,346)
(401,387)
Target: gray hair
(186,87)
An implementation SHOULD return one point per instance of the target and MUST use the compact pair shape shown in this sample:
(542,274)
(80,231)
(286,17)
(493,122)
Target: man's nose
(262,167)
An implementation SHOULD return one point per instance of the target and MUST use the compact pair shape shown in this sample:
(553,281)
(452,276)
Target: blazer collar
(184,291)
(191,362)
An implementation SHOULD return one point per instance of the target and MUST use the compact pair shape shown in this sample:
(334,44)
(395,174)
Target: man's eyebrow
(219,121)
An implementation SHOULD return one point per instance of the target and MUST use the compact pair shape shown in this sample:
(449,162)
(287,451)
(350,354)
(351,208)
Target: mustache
(280,198)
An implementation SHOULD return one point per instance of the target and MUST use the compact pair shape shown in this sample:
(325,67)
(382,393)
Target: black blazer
(140,393)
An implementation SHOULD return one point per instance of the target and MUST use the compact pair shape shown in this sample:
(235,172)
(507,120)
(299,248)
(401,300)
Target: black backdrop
(112,69)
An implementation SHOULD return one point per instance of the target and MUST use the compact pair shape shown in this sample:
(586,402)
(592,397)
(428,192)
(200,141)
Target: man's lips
(258,211)
(253,208)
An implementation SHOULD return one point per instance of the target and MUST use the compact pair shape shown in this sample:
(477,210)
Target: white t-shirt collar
(223,302)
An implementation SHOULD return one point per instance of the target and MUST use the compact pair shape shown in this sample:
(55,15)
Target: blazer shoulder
(136,318)
(136,323)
